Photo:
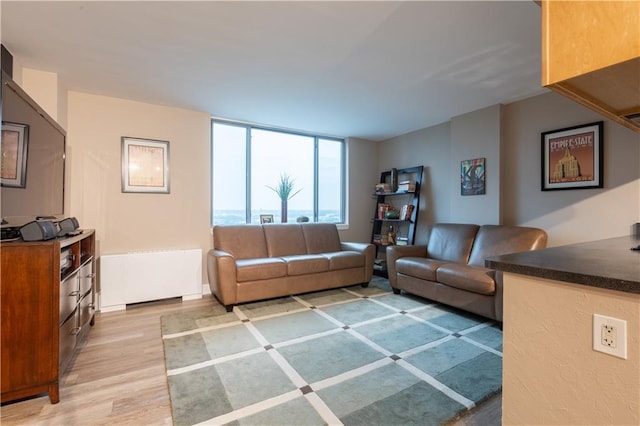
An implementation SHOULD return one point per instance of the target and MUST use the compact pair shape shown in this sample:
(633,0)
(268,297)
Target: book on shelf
(380,265)
(402,241)
(383,188)
(383,208)
(406,186)
(406,211)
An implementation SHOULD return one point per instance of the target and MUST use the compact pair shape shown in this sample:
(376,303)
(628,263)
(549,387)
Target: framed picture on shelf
(572,158)
(145,165)
(266,218)
(15,140)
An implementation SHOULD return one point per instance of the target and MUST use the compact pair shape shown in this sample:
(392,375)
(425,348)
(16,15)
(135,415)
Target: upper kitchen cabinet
(591,54)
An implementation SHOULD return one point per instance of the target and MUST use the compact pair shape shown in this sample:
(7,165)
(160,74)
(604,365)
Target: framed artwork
(472,177)
(572,158)
(15,140)
(145,165)
(266,218)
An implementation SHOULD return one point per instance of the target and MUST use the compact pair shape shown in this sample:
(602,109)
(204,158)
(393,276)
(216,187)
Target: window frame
(249,127)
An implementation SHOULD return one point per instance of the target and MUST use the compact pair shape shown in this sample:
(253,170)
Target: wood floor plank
(118,376)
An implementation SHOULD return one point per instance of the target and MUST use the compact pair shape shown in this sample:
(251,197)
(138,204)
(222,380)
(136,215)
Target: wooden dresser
(48,304)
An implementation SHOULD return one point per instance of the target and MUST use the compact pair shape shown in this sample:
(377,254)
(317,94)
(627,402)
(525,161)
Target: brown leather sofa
(450,268)
(255,262)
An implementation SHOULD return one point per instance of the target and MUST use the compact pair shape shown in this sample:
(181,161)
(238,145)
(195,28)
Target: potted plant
(284,189)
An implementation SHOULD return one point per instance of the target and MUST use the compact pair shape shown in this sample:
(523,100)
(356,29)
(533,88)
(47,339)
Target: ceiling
(371,70)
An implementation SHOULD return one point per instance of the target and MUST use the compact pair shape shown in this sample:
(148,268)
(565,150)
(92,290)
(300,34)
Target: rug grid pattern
(345,356)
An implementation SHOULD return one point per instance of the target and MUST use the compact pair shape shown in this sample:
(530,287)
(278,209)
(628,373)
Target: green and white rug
(347,356)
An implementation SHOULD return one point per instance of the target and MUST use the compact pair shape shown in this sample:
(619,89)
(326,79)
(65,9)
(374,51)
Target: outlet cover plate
(619,349)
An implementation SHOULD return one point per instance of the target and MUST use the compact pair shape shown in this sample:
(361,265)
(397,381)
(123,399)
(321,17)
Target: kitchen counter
(551,373)
(608,264)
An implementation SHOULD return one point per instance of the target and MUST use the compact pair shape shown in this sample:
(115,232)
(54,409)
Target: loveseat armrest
(369,252)
(396,252)
(222,275)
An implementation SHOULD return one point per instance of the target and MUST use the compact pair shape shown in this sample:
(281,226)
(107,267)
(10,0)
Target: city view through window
(247,161)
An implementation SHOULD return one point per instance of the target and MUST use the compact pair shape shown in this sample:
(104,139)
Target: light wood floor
(118,376)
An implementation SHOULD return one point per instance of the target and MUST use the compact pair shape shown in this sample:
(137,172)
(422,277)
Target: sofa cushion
(474,279)
(241,241)
(306,264)
(419,267)
(321,237)
(451,241)
(284,239)
(260,269)
(495,240)
(344,260)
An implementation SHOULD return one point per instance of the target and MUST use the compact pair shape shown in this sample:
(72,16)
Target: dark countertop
(609,264)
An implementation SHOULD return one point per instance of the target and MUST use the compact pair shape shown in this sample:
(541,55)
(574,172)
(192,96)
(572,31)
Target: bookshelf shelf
(406,202)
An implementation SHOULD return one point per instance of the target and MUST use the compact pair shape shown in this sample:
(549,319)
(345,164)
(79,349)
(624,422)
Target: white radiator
(146,276)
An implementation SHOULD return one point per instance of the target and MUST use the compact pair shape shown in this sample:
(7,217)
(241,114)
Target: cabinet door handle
(75,331)
(91,275)
(74,293)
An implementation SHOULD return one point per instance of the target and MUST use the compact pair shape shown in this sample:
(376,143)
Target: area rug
(361,356)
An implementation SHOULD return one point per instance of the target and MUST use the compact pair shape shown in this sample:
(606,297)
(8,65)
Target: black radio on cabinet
(38,230)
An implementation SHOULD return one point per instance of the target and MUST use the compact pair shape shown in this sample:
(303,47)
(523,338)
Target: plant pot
(283,211)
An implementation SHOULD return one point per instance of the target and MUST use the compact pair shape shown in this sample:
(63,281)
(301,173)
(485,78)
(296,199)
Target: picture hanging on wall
(15,139)
(145,165)
(572,157)
(472,177)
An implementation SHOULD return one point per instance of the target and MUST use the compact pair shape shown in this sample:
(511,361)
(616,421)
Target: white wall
(96,123)
(132,221)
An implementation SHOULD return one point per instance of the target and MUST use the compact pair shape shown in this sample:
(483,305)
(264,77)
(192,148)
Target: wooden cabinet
(47,292)
(591,54)
(406,203)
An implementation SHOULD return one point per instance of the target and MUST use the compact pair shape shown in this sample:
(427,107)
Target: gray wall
(430,148)
(508,137)
(476,135)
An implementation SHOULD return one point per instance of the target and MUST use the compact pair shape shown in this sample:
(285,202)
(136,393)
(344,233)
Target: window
(247,160)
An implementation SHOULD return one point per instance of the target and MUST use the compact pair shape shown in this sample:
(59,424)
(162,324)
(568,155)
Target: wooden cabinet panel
(591,54)
(29,320)
(584,36)
(33,316)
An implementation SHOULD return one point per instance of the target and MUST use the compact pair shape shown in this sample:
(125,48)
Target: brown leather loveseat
(450,268)
(255,262)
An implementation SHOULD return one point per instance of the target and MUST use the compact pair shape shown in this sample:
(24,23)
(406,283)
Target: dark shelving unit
(405,228)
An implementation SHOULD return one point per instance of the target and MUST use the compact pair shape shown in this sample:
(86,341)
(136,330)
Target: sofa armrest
(369,252)
(396,252)
(222,275)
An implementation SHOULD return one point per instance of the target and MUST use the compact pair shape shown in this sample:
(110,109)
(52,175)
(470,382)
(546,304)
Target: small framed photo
(15,141)
(472,177)
(145,165)
(572,158)
(266,218)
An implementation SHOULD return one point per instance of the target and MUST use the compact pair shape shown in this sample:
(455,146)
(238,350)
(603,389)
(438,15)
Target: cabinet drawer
(86,278)
(69,296)
(68,335)
(86,310)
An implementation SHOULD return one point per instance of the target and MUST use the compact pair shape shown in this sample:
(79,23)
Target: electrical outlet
(610,335)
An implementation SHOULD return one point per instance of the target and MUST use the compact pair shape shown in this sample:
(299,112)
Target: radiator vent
(151,275)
